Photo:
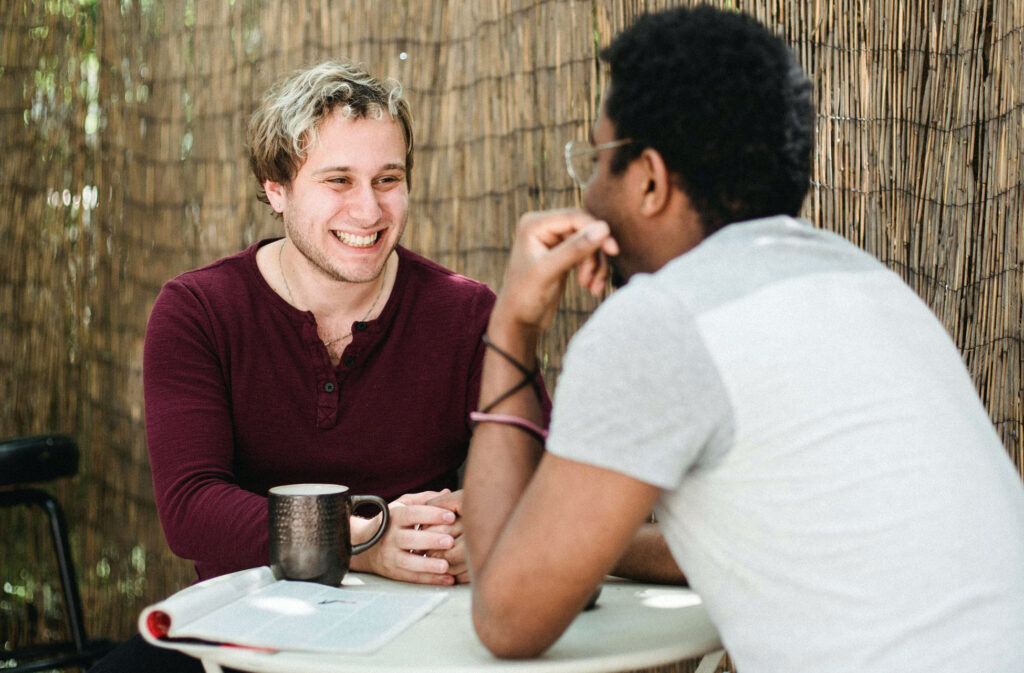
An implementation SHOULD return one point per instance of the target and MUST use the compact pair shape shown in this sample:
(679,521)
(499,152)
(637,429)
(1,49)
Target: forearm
(217,523)
(206,516)
(502,457)
(532,573)
(648,559)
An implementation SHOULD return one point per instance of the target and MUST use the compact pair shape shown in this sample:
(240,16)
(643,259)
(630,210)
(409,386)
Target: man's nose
(364,209)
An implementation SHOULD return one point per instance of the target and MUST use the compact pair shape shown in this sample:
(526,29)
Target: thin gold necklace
(291,298)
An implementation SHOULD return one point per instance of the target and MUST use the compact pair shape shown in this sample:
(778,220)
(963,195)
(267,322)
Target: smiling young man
(822,468)
(315,357)
(330,355)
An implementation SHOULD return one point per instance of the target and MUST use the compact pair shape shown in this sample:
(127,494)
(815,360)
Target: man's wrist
(360,528)
(518,340)
(360,564)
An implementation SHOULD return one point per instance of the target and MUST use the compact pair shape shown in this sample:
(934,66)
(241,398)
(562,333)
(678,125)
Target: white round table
(634,626)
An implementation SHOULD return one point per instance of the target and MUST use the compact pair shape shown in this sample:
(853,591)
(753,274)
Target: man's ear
(658,183)
(275,194)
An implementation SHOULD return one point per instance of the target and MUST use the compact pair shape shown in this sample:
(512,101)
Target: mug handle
(357,500)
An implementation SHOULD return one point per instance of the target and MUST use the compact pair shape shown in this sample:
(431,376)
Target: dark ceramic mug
(309,531)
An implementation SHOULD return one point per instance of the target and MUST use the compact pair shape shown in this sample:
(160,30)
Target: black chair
(25,460)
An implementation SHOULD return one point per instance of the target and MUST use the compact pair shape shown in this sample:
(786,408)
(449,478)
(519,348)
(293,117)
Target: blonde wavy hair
(284,126)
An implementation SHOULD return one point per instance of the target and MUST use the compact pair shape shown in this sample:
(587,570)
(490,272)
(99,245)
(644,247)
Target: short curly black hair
(723,101)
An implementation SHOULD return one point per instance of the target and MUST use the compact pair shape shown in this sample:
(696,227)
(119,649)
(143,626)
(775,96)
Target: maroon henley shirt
(241,396)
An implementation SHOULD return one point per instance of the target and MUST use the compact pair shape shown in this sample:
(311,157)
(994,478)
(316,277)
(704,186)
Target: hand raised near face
(547,247)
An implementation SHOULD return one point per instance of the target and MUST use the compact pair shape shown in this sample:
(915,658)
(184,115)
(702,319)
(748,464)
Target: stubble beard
(322,264)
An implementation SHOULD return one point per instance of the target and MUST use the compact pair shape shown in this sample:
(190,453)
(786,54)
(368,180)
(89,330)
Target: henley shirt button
(349,361)
(329,387)
(361,326)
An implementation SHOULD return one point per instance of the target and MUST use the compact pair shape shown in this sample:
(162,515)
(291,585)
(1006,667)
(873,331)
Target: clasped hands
(423,544)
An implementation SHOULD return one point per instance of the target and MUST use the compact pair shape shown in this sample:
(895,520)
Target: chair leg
(72,599)
(62,656)
(65,564)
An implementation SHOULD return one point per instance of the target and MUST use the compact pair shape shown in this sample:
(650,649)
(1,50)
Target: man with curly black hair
(736,160)
(820,464)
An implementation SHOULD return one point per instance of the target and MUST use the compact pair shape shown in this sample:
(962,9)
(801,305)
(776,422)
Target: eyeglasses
(581,160)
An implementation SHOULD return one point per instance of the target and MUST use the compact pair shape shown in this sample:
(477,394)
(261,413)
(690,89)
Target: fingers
(450,500)
(402,554)
(456,558)
(596,268)
(413,548)
(593,273)
(400,564)
(425,540)
(434,552)
(421,527)
(458,568)
(548,246)
(569,236)
(424,515)
(454,530)
(453,502)
(552,226)
(442,563)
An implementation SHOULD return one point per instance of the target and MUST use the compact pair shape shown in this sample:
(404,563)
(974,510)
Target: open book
(252,609)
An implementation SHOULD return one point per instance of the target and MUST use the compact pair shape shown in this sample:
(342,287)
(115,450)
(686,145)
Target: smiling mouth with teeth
(357,241)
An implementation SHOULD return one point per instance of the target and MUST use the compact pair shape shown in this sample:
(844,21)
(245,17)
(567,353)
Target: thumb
(449,500)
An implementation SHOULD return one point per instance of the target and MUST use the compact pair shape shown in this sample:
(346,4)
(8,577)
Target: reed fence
(122,164)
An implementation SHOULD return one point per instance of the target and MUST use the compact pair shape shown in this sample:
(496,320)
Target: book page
(200,599)
(311,617)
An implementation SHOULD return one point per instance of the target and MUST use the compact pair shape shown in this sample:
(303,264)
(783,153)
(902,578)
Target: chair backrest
(39,458)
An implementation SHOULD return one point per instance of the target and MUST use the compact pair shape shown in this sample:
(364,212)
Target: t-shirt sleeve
(639,393)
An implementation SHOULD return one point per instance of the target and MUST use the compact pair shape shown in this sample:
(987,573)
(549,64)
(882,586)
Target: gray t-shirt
(832,485)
